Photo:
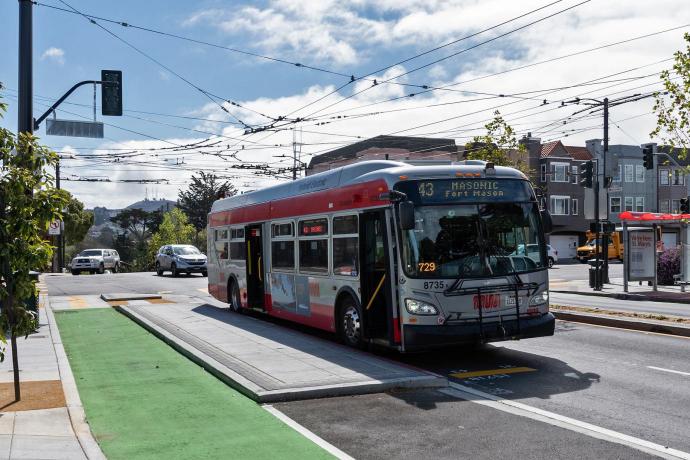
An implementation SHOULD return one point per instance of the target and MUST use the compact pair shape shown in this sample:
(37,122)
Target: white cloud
(54,54)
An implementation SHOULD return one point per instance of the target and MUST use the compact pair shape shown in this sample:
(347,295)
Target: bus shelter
(641,241)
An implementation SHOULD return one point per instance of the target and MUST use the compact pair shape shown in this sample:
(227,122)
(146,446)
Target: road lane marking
(507,370)
(470,394)
(668,370)
(325,445)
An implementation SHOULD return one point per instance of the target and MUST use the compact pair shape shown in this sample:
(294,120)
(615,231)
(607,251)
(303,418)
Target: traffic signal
(648,156)
(685,205)
(111,92)
(587,174)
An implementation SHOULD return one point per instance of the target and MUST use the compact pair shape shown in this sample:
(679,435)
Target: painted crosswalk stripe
(508,370)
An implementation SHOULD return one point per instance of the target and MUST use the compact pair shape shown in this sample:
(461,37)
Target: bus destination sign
(466,190)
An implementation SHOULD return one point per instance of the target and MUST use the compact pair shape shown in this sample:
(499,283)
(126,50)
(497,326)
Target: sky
(249,80)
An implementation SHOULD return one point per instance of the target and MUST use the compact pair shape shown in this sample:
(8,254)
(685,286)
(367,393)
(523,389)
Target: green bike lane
(144,400)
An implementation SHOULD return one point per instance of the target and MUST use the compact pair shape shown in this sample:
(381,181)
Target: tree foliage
(175,229)
(498,146)
(197,200)
(28,203)
(673,109)
(77,219)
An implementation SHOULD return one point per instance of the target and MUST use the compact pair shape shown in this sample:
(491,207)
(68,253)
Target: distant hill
(153,205)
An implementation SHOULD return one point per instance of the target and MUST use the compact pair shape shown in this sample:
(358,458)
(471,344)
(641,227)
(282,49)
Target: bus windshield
(474,240)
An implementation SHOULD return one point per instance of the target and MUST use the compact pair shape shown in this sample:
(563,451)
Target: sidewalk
(42,425)
(614,289)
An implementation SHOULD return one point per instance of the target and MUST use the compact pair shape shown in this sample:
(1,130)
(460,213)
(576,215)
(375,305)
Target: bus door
(375,277)
(255,267)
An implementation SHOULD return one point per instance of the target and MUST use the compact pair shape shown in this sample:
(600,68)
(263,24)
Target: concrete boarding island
(268,362)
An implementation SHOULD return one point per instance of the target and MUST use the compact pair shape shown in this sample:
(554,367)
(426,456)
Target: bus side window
(346,245)
(237,244)
(221,243)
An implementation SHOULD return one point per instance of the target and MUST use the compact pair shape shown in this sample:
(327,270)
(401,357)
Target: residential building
(398,148)
(557,179)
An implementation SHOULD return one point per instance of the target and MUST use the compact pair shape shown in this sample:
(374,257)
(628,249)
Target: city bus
(382,252)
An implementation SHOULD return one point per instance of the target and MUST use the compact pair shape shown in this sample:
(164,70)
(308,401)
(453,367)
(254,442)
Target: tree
(672,107)
(498,146)
(28,203)
(197,200)
(133,244)
(175,229)
(139,223)
(77,220)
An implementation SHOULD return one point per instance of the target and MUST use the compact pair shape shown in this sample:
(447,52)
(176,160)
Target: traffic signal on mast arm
(648,156)
(685,205)
(587,174)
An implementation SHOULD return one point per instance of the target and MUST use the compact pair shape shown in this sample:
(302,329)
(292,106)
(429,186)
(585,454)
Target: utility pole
(605,240)
(25,124)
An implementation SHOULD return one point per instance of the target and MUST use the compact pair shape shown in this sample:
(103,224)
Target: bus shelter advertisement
(641,259)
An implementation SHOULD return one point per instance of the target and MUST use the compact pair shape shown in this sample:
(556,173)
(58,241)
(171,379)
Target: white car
(96,261)
(533,253)
(180,258)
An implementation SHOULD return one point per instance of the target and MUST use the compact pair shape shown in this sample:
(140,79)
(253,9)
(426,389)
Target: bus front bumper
(425,337)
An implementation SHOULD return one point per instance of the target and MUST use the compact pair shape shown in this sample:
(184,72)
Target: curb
(623,323)
(263,396)
(77,416)
(628,296)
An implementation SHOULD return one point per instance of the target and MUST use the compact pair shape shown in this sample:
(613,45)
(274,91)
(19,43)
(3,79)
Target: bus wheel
(235,302)
(350,319)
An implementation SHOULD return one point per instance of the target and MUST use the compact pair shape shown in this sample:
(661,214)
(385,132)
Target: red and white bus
(410,257)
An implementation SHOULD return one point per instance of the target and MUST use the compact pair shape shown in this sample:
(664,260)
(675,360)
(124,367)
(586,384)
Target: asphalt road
(631,382)
(141,283)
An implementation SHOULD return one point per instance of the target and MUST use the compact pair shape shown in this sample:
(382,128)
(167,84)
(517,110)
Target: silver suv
(96,261)
(178,258)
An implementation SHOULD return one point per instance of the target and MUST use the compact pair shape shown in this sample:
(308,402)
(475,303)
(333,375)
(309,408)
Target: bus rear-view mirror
(406,215)
(546,222)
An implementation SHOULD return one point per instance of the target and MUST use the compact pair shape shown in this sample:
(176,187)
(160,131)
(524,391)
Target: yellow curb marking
(508,370)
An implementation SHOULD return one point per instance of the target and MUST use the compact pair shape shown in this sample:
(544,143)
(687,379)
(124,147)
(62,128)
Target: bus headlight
(417,307)
(540,298)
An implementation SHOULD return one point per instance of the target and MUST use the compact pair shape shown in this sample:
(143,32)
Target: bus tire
(350,322)
(234,297)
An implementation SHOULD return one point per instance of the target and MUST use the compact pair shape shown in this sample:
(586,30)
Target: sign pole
(656,256)
(626,256)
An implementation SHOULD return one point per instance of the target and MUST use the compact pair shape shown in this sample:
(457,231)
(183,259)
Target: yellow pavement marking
(77,302)
(508,370)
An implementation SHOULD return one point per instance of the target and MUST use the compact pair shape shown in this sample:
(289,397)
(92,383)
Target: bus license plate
(510,301)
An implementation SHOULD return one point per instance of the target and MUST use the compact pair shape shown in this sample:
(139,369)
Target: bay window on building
(560,172)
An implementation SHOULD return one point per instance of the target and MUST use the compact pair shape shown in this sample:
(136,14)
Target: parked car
(179,258)
(96,261)
(533,253)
